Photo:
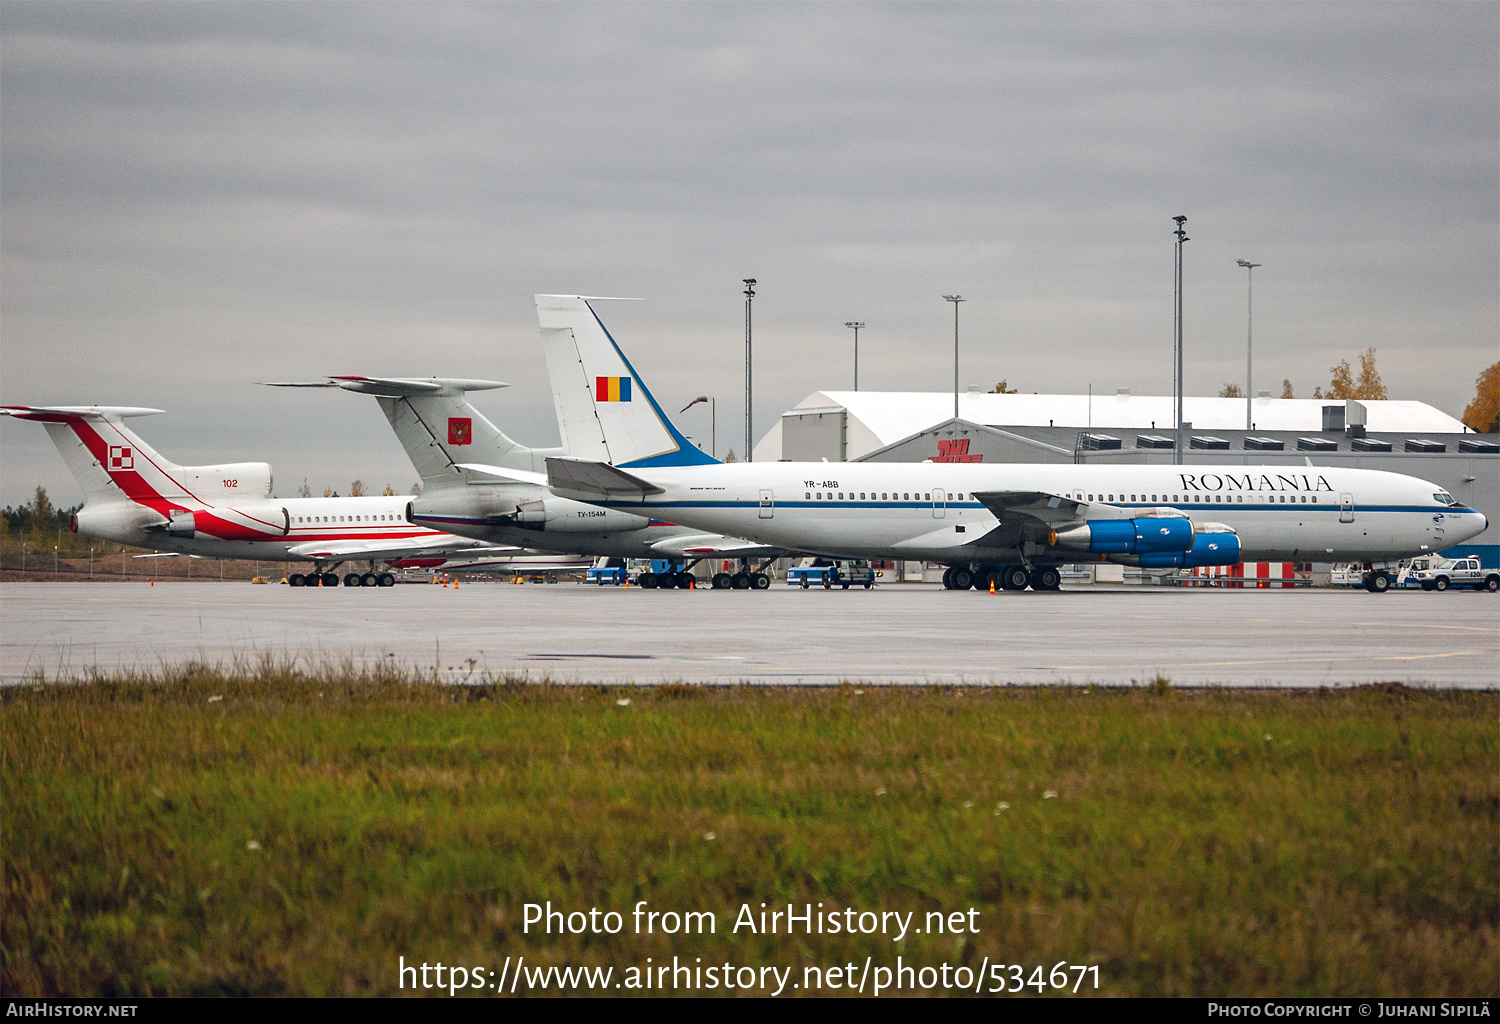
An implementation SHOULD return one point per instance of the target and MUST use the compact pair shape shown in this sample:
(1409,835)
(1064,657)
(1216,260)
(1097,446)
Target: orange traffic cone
(455,583)
(992,584)
(153,583)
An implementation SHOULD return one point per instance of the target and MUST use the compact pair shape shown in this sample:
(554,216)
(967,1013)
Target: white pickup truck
(1442,573)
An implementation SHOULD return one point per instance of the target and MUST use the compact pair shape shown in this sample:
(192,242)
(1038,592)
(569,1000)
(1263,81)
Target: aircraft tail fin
(107,458)
(111,463)
(604,411)
(438,427)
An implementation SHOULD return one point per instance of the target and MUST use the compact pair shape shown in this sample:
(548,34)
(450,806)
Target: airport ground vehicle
(1441,573)
(829,573)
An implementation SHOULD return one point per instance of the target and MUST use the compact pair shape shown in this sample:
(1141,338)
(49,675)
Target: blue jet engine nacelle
(1209,548)
(1145,536)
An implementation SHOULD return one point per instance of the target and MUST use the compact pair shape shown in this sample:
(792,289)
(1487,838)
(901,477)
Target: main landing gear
(331,579)
(1003,577)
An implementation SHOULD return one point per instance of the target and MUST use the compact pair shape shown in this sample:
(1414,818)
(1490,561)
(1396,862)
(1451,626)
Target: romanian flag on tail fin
(612,389)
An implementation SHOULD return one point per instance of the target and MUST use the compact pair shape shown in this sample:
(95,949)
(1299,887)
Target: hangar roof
(879,418)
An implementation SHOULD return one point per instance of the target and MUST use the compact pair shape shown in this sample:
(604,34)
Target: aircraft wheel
(1015,577)
(723,581)
(1048,578)
(353,580)
(990,578)
(387,579)
(760,581)
(739,581)
(296,580)
(330,579)
(948,578)
(369,579)
(960,578)
(1440,584)
(685,581)
(649,580)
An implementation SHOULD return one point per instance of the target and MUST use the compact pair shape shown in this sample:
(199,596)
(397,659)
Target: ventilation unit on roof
(1208,441)
(1098,442)
(1316,444)
(1264,444)
(1369,444)
(1152,441)
(1479,447)
(1416,444)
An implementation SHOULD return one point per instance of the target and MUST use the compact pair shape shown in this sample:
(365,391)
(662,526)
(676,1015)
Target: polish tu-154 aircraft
(477,482)
(1014,524)
(133,495)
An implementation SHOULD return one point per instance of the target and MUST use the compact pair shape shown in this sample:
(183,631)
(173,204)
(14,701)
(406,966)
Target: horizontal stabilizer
(596,481)
(56,413)
(396,387)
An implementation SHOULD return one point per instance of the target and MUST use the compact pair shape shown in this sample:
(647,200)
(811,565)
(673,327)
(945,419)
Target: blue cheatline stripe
(687,454)
(802,503)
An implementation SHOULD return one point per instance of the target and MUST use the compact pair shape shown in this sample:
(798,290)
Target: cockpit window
(1445,498)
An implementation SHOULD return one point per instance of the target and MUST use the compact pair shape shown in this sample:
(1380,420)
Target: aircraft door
(1346,508)
(286,522)
(767,503)
(939,504)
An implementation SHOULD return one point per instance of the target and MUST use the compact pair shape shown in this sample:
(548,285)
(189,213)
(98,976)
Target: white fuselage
(270,529)
(926,511)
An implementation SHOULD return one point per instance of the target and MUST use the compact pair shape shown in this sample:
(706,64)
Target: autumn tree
(1286,388)
(304,491)
(1231,391)
(1003,388)
(1369,386)
(389,492)
(1483,414)
(357,489)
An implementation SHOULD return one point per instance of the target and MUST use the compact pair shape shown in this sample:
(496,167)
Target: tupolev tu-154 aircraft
(479,483)
(133,495)
(1014,524)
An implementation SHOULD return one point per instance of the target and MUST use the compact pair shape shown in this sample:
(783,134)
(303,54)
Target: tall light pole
(1249,335)
(955,299)
(856,324)
(1177,336)
(749,295)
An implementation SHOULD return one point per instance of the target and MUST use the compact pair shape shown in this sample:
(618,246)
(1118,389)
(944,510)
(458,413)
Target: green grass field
(277,833)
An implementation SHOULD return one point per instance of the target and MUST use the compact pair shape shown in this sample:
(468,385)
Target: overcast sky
(195,197)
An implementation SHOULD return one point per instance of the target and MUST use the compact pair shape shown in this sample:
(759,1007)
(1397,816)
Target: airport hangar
(1406,437)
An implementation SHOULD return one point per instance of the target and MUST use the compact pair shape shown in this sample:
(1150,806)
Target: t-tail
(112,464)
(605,413)
(438,427)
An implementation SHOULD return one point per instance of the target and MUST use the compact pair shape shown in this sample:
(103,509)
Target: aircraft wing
(1027,512)
(593,481)
(500,473)
(702,544)
(446,544)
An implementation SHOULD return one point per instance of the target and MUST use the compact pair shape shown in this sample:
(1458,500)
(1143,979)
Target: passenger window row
(1211,499)
(884,496)
(346,519)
